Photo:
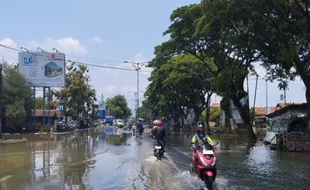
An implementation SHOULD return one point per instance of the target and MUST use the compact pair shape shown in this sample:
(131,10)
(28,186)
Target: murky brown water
(94,160)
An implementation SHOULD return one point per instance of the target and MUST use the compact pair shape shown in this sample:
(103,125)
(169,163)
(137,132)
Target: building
(292,117)
(55,115)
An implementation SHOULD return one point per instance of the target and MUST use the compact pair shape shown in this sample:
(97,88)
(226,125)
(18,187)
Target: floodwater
(101,159)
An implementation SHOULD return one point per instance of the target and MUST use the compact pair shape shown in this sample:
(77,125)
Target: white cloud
(97,39)
(67,45)
(124,81)
(8,54)
(8,42)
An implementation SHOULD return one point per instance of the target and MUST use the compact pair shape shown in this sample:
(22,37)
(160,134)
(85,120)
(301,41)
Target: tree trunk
(197,114)
(308,107)
(245,116)
(208,113)
(207,119)
(225,106)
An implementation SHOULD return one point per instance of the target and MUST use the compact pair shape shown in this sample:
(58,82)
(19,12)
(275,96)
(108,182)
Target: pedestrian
(140,127)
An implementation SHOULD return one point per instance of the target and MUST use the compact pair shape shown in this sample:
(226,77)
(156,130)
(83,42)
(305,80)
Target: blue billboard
(101,114)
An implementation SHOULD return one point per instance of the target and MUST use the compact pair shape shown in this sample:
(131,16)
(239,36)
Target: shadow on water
(247,165)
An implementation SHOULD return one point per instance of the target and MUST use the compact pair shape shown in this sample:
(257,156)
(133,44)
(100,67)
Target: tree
(78,96)
(219,30)
(118,106)
(16,115)
(39,104)
(17,101)
(215,114)
(145,111)
(286,34)
(179,82)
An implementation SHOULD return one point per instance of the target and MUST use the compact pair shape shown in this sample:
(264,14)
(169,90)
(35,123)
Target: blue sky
(105,30)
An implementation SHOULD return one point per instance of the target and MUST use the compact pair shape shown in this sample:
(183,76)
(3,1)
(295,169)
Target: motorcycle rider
(159,133)
(200,138)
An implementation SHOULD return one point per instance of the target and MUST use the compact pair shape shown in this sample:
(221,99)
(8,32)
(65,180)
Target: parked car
(61,126)
(118,122)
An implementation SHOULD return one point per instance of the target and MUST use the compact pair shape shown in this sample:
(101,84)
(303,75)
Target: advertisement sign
(101,105)
(43,68)
(101,113)
(61,108)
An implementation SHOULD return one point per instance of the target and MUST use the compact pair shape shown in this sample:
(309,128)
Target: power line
(78,62)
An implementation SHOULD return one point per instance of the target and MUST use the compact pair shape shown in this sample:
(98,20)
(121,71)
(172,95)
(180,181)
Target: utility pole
(1,101)
(253,113)
(137,66)
(267,111)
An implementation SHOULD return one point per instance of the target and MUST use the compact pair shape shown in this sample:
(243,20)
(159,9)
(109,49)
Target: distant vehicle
(118,122)
(109,119)
(61,126)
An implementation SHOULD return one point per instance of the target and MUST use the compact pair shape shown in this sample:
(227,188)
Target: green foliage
(215,114)
(17,101)
(286,36)
(78,95)
(39,103)
(178,82)
(219,34)
(145,111)
(15,114)
(118,106)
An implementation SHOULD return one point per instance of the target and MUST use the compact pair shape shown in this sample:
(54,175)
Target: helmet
(200,124)
(159,123)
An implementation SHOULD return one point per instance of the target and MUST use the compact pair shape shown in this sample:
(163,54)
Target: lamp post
(137,66)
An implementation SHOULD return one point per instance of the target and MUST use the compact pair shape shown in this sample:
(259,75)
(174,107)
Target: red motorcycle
(205,164)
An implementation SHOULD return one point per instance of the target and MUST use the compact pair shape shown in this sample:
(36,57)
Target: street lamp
(137,66)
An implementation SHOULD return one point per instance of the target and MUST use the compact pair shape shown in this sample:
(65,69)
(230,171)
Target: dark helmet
(200,124)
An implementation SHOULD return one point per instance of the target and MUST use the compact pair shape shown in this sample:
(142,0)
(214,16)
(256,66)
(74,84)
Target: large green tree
(219,30)
(286,34)
(118,106)
(17,101)
(78,96)
(184,82)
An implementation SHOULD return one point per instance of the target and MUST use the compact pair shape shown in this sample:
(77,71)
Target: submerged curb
(11,141)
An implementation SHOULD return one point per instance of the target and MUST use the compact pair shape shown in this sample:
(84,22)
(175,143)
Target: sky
(107,32)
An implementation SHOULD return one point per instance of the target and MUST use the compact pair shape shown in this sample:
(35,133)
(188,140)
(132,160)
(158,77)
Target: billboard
(43,69)
(101,114)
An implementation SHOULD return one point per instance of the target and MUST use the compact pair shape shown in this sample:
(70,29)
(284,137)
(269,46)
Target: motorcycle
(206,168)
(159,150)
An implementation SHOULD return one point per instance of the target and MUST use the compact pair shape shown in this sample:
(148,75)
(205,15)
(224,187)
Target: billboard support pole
(49,107)
(47,99)
(43,109)
(34,110)
(1,101)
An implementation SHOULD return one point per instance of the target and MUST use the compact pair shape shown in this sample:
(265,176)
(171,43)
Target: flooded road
(104,159)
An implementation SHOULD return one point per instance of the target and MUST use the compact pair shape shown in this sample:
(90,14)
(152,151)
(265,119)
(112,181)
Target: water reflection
(248,165)
(60,162)
(111,158)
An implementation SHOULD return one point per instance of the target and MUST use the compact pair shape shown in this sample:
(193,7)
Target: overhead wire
(80,62)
